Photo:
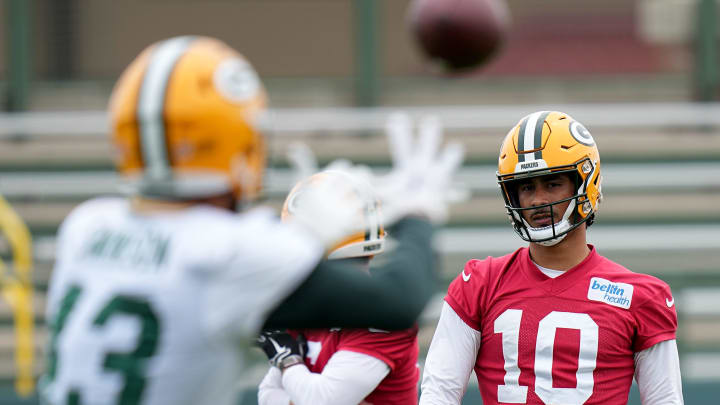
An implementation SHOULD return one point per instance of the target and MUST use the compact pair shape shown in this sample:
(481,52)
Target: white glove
(328,210)
(420,182)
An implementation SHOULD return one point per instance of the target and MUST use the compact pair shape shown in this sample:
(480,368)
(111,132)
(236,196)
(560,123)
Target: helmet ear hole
(590,220)
(576,179)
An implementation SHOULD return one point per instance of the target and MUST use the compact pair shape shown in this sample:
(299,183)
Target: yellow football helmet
(368,242)
(547,142)
(183,121)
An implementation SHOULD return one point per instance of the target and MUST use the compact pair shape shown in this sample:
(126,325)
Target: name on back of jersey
(145,249)
(609,292)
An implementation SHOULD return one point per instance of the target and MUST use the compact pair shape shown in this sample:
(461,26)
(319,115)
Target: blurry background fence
(641,75)
(661,213)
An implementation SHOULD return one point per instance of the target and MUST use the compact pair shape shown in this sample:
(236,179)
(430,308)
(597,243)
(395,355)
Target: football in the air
(459,34)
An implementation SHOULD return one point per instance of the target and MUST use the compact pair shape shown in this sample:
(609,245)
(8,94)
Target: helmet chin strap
(545,232)
(553,241)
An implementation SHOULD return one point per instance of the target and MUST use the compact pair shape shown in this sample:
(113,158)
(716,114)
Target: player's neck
(147,205)
(567,254)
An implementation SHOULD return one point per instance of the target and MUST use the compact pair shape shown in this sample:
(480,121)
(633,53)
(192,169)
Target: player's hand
(421,180)
(282,349)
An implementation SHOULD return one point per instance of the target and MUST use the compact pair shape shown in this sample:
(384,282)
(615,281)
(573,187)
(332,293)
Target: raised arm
(336,294)
(412,195)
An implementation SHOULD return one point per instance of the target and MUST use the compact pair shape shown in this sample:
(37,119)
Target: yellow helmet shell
(183,120)
(547,142)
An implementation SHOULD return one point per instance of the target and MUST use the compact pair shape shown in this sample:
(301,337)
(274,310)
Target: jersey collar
(563,281)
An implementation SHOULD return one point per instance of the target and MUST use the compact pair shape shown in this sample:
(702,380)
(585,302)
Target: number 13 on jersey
(508,324)
(130,364)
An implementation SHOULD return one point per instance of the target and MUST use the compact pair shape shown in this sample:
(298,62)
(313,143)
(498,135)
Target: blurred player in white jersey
(154,298)
(340,365)
(555,322)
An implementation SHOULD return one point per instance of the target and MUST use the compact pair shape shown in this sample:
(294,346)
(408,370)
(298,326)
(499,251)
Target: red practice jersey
(397,349)
(567,340)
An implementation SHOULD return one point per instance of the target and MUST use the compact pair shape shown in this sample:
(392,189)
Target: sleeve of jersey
(262,270)
(271,391)
(336,294)
(346,379)
(449,360)
(655,317)
(657,372)
(466,292)
(383,345)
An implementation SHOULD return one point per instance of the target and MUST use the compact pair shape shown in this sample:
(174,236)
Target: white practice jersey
(159,308)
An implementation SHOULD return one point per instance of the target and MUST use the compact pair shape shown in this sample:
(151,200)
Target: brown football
(460,34)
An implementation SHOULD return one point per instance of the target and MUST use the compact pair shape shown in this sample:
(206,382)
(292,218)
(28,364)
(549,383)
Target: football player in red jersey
(335,365)
(554,322)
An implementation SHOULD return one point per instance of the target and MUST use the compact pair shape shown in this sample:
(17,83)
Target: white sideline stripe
(479,179)
(700,301)
(700,366)
(476,242)
(352,121)
(646,237)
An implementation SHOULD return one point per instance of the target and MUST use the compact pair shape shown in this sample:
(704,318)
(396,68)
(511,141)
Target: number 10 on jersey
(508,324)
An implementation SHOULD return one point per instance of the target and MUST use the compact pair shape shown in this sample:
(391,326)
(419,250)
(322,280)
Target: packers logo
(581,134)
(236,80)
